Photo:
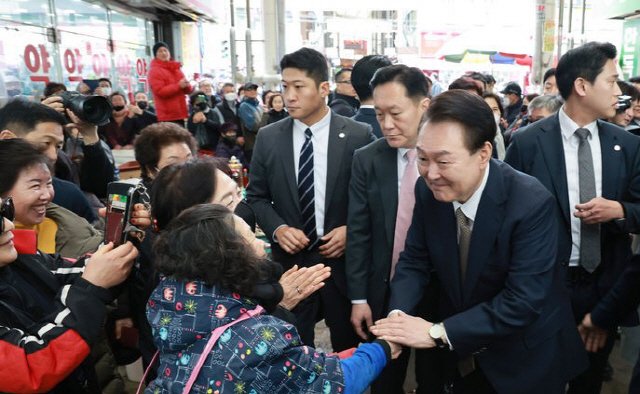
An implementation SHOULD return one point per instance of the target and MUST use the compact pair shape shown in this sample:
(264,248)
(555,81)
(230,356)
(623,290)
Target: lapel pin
(616,147)
(341,135)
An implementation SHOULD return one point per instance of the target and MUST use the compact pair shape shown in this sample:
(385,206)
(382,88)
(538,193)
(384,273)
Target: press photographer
(204,121)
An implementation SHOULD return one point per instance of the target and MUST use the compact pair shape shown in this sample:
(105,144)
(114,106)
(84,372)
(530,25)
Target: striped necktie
(306,191)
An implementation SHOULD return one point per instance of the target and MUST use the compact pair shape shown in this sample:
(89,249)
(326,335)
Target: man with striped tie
(298,187)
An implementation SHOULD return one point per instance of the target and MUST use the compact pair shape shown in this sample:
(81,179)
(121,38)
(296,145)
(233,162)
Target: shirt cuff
(394,311)
(358,302)
(275,240)
(447,337)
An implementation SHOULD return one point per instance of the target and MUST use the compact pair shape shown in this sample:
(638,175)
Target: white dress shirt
(470,207)
(320,140)
(570,143)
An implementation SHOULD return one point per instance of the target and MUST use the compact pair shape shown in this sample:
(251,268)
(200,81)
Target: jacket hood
(181,313)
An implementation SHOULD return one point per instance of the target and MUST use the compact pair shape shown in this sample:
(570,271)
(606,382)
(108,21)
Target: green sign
(615,8)
(630,50)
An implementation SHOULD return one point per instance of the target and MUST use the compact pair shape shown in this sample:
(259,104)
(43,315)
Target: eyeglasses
(8,211)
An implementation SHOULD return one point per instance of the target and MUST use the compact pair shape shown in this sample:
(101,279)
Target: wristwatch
(436,332)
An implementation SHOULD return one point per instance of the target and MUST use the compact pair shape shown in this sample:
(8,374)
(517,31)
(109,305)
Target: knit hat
(157,46)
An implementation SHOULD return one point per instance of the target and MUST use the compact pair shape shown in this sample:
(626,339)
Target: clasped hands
(293,240)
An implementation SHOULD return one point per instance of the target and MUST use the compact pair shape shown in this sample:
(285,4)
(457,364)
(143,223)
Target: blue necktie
(305,190)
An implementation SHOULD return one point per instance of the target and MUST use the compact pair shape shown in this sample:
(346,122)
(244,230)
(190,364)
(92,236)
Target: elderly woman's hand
(298,284)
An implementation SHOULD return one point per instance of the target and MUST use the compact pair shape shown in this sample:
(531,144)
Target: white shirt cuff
(358,302)
(394,311)
(447,337)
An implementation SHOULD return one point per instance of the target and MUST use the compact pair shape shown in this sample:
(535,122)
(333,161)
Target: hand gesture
(134,110)
(396,350)
(335,243)
(298,284)
(405,330)
(199,117)
(54,102)
(184,83)
(89,131)
(594,337)
(110,266)
(599,210)
(291,239)
(361,319)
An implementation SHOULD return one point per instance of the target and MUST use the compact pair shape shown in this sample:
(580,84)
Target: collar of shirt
(402,154)
(320,126)
(367,106)
(470,207)
(568,127)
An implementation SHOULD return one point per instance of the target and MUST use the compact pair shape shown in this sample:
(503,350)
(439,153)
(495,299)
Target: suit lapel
(386,171)
(611,159)
(552,149)
(338,136)
(288,164)
(486,227)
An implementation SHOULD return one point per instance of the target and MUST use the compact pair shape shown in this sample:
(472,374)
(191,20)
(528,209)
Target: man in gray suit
(298,187)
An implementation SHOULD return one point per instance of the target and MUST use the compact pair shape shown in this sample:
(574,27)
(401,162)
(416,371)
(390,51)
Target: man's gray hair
(552,102)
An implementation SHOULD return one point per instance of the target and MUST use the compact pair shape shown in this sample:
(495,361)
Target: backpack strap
(144,377)
(215,334)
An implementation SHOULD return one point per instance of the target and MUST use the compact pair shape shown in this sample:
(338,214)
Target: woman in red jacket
(168,86)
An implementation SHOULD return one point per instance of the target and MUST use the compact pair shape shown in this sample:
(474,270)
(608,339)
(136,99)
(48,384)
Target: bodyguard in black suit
(489,234)
(571,152)
(298,187)
(400,96)
(361,75)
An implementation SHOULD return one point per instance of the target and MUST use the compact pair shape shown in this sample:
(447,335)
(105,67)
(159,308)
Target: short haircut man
(544,106)
(500,287)
(589,166)
(304,211)
(466,83)
(361,75)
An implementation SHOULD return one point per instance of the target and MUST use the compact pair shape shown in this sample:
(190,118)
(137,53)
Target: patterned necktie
(464,240)
(589,233)
(306,191)
(406,202)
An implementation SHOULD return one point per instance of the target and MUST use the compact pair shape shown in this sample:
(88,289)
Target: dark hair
(17,155)
(586,61)
(465,83)
(53,87)
(202,243)
(174,189)
(489,78)
(363,71)
(228,126)
(264,96)
(140,91)
(629,89)
(497,99)
(336,78)
(105,79)
(476,76)
(228,84)
(635,79)
(468,110)
(153,138)
(413,79)
(275,94)
(114,94)
(548,74)
(531,96)
(194,95)
(312,62)
(21,116)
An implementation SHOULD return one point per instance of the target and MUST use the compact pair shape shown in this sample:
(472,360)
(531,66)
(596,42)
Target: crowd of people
(488,231)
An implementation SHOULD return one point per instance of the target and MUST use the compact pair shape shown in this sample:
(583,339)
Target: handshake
(398,329)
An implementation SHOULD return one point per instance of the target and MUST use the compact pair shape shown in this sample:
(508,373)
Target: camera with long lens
(624,102)
(90,109)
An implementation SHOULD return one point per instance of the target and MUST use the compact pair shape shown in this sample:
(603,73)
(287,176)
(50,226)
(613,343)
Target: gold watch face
(436,331)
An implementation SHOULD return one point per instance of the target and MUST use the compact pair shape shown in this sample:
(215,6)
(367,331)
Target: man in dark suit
(593,170)
(298,187)
(488,233)
(383,175)
(361,75)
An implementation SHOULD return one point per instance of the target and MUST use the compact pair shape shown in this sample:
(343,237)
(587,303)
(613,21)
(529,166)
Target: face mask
(496,117)
(230,96)
(505,101)
(229,139)
(106,91)
(142,105)
(523,109)
(118,108)
(202,106)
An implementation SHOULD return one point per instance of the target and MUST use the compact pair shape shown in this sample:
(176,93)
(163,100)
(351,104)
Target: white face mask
(496,117)
(106,91)
(230,96)
(505,101)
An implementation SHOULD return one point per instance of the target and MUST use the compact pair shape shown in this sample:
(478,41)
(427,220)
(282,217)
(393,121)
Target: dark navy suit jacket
(368,116)
(538,151)
(512,311)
